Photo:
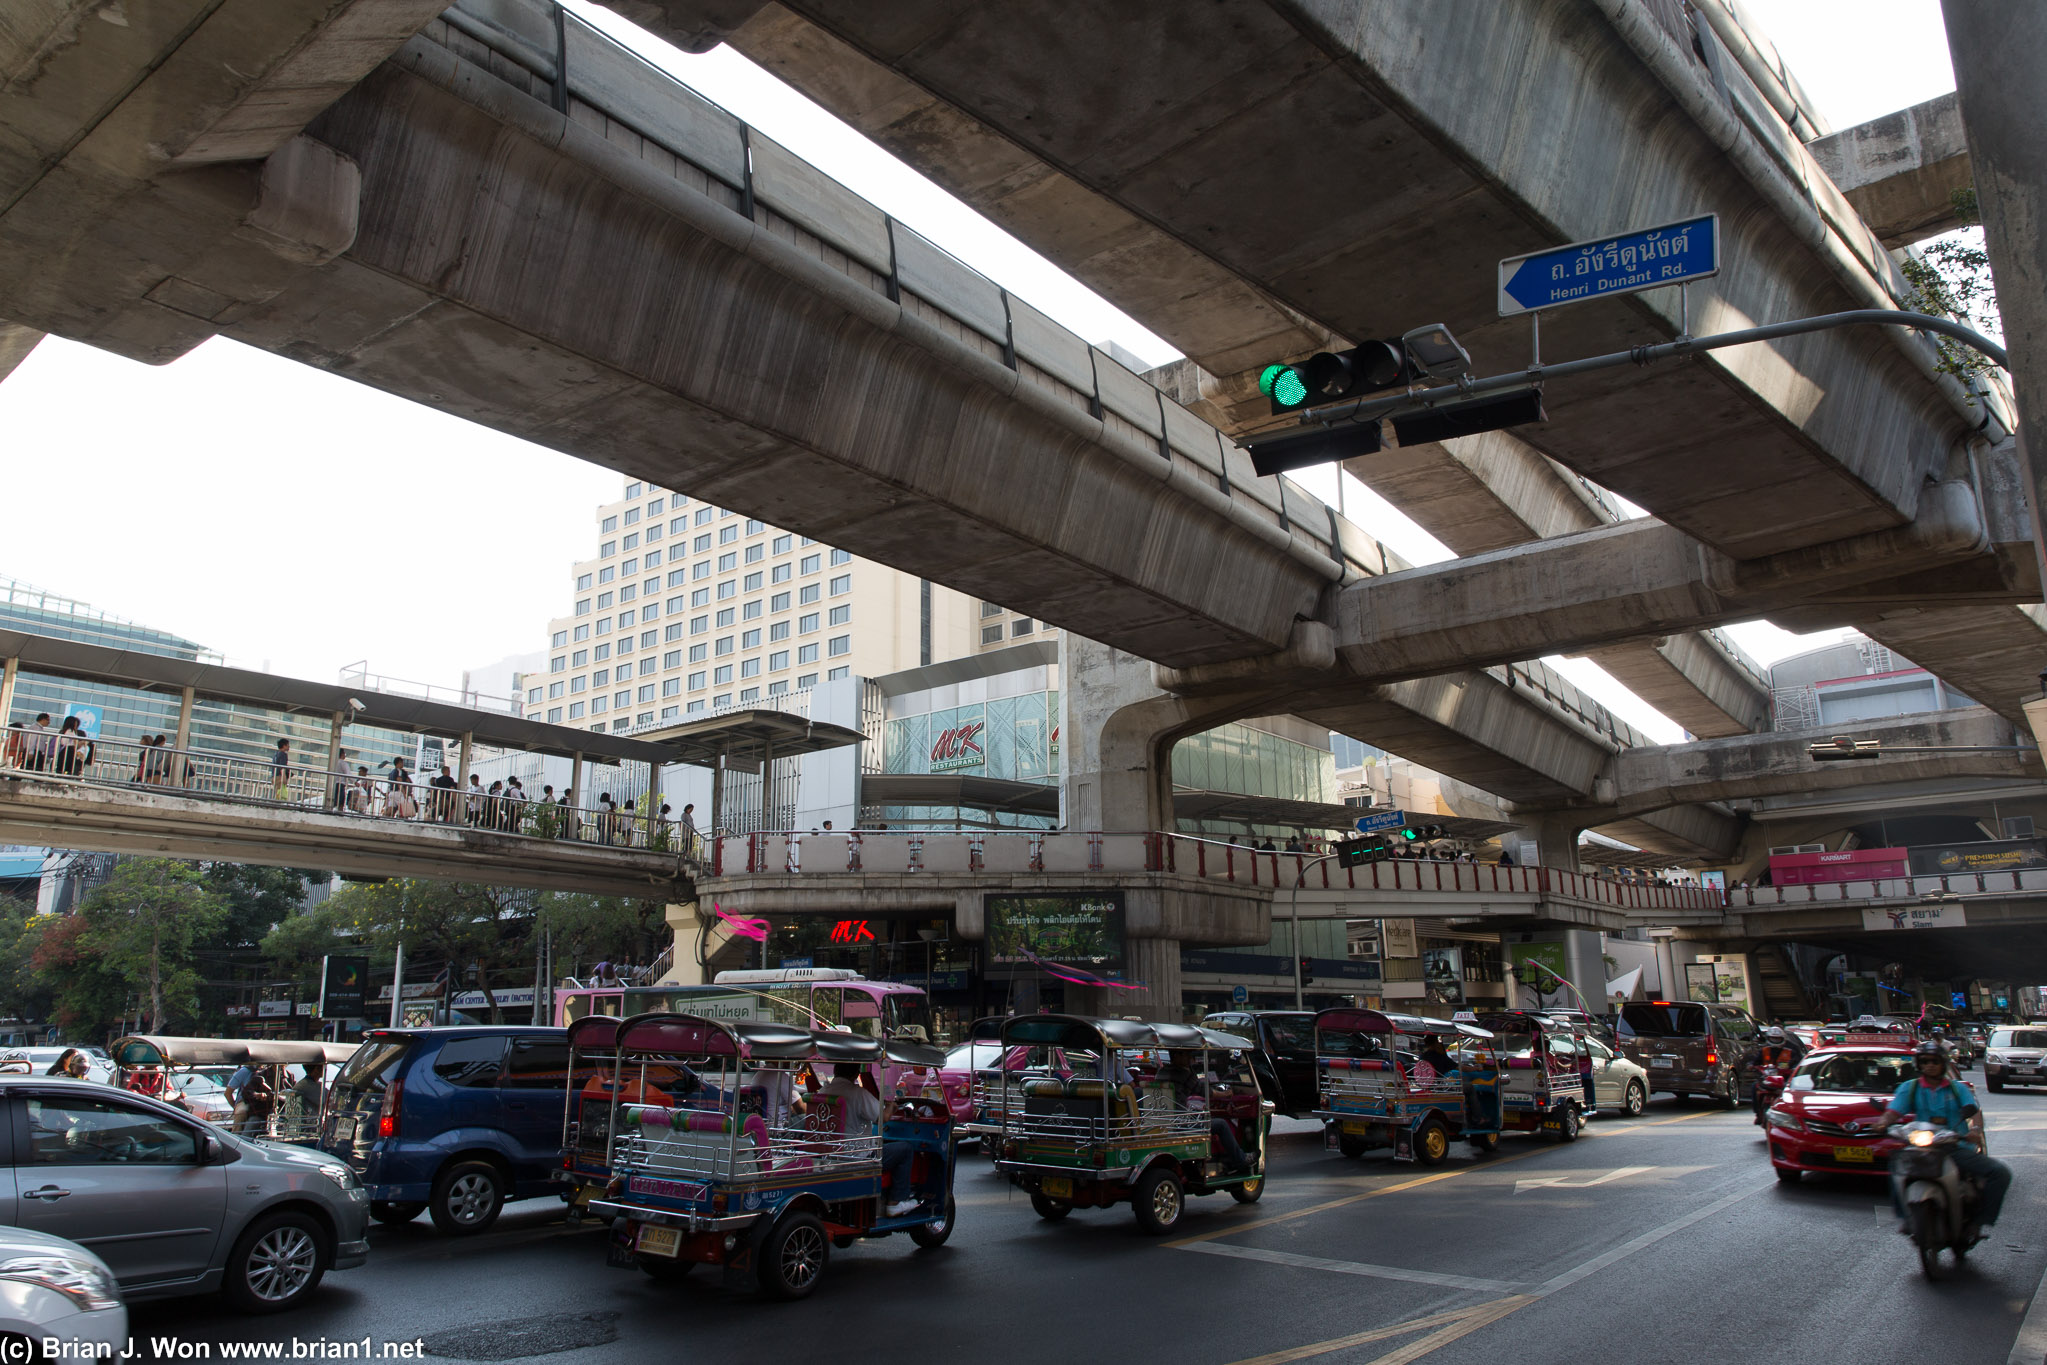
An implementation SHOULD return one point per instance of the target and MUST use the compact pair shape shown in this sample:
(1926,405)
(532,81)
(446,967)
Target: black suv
(1285,1060)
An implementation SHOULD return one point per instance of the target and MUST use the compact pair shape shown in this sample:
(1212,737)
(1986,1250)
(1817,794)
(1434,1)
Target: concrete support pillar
(337,798)
(576,795)
(1556,840)
(2000,59)
(182,741)
(462,769)
(1584,959)
(683,920)
(9,671)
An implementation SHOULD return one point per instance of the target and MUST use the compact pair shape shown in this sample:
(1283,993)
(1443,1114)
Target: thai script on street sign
(1649,259)
(1383,821)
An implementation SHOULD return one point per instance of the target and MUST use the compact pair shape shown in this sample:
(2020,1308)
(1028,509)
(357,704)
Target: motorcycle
(1940,1202)
(1769,1088)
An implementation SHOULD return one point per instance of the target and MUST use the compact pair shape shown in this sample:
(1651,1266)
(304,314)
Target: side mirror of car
(218,1153)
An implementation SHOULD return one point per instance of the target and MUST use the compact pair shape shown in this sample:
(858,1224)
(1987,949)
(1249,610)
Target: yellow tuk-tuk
(193,1073)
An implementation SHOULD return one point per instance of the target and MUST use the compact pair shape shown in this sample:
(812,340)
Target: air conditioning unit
(2018,826)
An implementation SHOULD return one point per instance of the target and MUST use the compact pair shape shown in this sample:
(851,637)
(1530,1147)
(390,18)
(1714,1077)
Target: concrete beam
(15,343)
(1635,579)
(1901,171)
(1990,654)
(1777,763)
(1700,680)
(1703,832)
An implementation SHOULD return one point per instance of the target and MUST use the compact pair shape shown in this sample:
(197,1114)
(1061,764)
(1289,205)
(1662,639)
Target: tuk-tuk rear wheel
(934,1234)
(1432,1143)
(1051,1210)
(1158,1200)
(1567,1124)
(1483,1143)
(665,1268)
(793,1258)
(1350,1144)
(1250,1192)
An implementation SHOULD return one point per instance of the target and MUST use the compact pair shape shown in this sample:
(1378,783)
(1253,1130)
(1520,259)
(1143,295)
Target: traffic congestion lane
(1011,1287)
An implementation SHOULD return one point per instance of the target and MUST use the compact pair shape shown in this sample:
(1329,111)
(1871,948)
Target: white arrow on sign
(1564,1182)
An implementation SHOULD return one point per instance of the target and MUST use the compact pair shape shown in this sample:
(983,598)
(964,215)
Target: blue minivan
(452,1121)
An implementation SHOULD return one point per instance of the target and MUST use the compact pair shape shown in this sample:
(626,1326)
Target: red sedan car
(1808,1127)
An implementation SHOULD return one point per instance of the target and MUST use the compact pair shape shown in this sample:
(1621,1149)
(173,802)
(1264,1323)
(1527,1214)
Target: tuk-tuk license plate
(658,1241)
(1057,1187)
(1854,1154)
(344,1130)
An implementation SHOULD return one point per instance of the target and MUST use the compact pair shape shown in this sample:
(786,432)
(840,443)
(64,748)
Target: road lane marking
(1378,1272)
(1471,1320)
(1564,1182)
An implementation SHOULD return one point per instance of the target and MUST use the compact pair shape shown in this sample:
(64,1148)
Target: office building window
(810,564)
(990,609)
(750,611)
(778,687)
(558,639)
(724,617)
(558,664)
(756,553)
(779,602)
(728,588)
(579,658)
(842,584)
(632,490)
(601,677)
(582,632)
(696,681)
(625,618)
(749,639)
(554,690)
(779,630)
(606,574)
(647,639)
(676,606)
(575,710)
(991,634)
(632,514)
(678,526)
(604,625)
(723,646)
(583,606)
(697,653)
(749,668)
(752,582)
(1023,627)
(702,544)
(700,569)
(807,541)
(806,654)
(578,683)
(721,674)
(777,662)
(596,706)
(779,574)
(806,680)
(807,593)
(722,699)
(727,534)
(653,531)
(603,600)
(669,712)
(700,597)
(647,665)
(652,559)
(692,708)
(842,556)
(532,695)
(782,545)
(747,694)
(652,609)
(631,542)
(607,549)
(677,577)
(601,653)
(727,562)
(704,515)
(754,526)
(836,674)
(671,687)
(607,526)
(672,659)
(806,623)
(841,615)
(840,644)
(628,592)
(625,646)
(554,715)
(582,582)
(629,568)
(646,694)
(673,633)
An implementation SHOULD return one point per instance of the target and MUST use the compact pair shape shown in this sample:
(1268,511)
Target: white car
(41,1059)
(55,1290)
(1618,1084)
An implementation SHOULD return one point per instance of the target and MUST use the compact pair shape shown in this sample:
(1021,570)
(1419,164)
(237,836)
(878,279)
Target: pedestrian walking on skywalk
(280,770)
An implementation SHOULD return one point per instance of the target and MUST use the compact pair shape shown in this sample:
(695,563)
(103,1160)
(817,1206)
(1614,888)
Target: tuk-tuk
(727,1146)
(1545,1073)
(1406,1082)
(586,1115)
(192,1073)
(1144,1113)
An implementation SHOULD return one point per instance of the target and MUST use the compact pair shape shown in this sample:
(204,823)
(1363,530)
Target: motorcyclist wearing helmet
(1774,1047)
(1938,1098)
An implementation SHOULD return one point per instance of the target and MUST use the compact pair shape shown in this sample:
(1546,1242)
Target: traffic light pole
(1368,409)
(1294,917)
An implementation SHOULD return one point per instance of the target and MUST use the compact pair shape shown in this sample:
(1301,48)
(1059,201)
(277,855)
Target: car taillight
(1712,1059)
(387,1118)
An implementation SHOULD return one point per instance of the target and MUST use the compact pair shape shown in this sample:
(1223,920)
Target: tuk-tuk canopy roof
(1349,1020)
(1528,1021)
(690,1035)
(1081,1033)
(594,1031)
(906,1053)
(160,1049)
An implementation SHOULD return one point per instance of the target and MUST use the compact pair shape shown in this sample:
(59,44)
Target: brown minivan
(1688,1048)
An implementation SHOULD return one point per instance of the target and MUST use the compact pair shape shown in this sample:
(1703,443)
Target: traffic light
(1330,376)
(1421,833)
(1306,975)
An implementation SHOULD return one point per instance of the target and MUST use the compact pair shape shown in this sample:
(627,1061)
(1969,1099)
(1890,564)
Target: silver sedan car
(52,1290)
(172,1205)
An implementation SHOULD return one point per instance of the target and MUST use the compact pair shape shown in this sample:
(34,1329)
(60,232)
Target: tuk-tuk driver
(1439,1058)
(1180,1073)
(863,1115)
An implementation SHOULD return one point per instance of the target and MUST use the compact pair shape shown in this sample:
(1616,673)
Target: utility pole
(398,967)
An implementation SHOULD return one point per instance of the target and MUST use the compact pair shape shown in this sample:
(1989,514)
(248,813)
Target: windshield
(1672,1020)
(1738,1026)
(906,1011)
(1859,1073)
(1293,1036)
(2019,1037)
(370,1065)
(973,1056)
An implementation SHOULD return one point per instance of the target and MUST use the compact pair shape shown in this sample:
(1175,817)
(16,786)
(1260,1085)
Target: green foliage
(1951,277)
(256,899)
(604,928)
(134,936)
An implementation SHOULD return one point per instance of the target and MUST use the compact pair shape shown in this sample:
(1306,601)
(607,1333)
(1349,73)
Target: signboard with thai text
(1941,916)
(1609,266)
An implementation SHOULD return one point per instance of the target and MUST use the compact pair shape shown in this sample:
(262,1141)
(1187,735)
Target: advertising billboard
(1443,975)
(1849,865)
(344,987)
(1988,855)
(1078,929)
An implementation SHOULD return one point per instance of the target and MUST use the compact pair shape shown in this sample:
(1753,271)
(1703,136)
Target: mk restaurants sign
(958,747)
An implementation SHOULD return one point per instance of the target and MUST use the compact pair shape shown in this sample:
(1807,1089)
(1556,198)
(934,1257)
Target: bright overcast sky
(296,521)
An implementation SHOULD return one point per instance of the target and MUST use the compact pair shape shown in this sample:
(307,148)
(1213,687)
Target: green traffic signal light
(1284,385)
(1410,834)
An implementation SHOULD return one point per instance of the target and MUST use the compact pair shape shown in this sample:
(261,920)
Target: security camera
(355,704)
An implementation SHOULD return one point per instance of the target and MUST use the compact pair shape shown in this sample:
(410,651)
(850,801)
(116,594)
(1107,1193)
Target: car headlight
(1995,1056)
(83,1282)
(344,1177)
(1784,1118)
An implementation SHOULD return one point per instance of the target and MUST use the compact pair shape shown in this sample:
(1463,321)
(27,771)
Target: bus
(808,997)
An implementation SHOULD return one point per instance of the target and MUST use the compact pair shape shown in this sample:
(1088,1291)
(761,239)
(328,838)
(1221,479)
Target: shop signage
(344,985)
(273,1009)
(1397,936)
(1083,929)
(852,931)
(958,747)
(1988,855)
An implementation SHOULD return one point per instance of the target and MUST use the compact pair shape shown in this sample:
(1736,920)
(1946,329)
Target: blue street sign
(1606,266)
(1382,822)
(1239,994)
(797,962)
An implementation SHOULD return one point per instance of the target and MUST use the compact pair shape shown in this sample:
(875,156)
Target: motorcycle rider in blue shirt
(1937,1098)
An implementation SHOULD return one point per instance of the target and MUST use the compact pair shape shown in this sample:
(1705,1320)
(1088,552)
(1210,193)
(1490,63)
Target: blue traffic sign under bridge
(1383,822)
(1623,264)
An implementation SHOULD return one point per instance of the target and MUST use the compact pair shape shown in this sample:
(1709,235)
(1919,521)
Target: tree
(603,928)
(257,899)
(1951,276)
(138,930)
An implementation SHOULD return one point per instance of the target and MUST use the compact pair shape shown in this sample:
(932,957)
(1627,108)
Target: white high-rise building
(688,608)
